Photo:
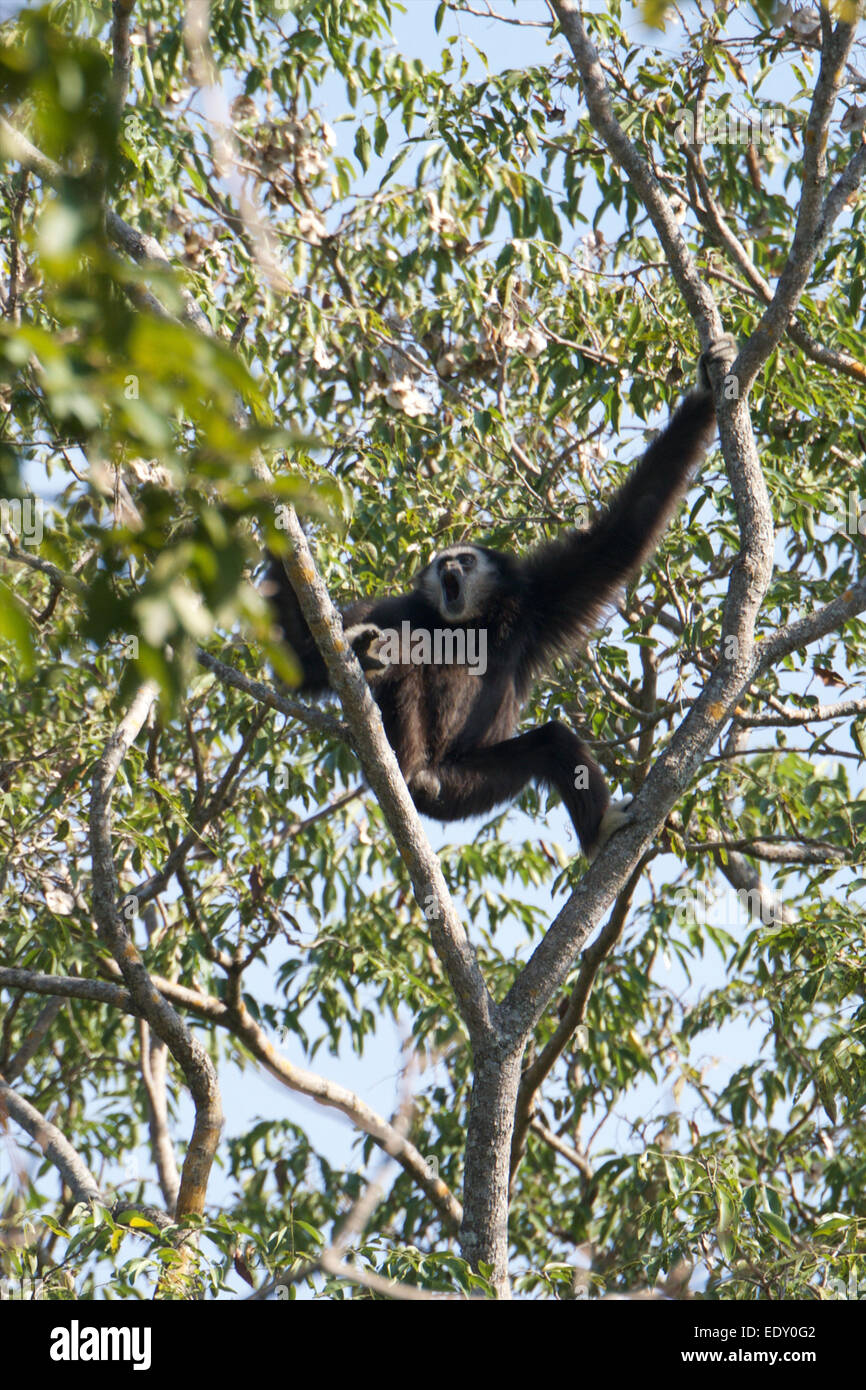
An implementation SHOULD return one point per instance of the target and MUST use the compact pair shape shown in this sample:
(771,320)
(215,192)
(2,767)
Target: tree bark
(484,1233)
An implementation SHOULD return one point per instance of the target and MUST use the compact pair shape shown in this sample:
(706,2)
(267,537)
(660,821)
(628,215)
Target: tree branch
(534,1076)
(54,1144)
(308,714)
(154,1057)
(801,633)
(781,852)
(697,296)
(551,961)
(199,820)
(241,1025)
(33,1040)
(814,216)
(192,1058)
(814,715)
(715,222)
(573,1155)
(121,50)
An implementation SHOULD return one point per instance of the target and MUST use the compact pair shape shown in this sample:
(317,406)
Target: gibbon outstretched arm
(569,581)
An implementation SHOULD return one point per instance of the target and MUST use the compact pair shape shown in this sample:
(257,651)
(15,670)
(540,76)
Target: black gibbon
(451,663)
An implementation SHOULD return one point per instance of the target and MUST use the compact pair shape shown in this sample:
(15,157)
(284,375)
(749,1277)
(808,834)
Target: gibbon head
(459,581)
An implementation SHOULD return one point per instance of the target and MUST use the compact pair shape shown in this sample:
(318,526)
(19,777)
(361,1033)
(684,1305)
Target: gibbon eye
(467,561)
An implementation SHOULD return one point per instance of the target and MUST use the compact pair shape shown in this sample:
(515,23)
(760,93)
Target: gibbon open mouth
(450,587)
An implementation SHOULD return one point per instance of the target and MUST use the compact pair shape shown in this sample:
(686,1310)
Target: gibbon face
(458,582)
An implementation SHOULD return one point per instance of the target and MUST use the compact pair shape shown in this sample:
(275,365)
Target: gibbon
(451,723)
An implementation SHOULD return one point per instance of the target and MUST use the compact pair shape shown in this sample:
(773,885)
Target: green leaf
(778,1226)
(15,628)
(362,147)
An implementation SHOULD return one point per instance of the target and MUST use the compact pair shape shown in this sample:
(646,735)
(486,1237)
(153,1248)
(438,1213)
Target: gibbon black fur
(454,730)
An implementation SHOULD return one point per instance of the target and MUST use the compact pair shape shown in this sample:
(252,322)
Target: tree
(270,264)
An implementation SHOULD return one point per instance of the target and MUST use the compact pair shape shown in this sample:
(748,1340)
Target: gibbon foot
(616,817)
(723,350)
(363,639)
(425,782)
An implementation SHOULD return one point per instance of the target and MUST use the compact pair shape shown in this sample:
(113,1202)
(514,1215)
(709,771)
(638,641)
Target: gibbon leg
(476,782)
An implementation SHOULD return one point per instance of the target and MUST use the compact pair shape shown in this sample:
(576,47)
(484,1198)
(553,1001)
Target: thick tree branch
(122,52)
(551,961)
(774,852)
(71,1167)
(834,358)
(33,562)
(423,864)
(815,714)
(801,633)
(843,189)
(69,987)
(762,901)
